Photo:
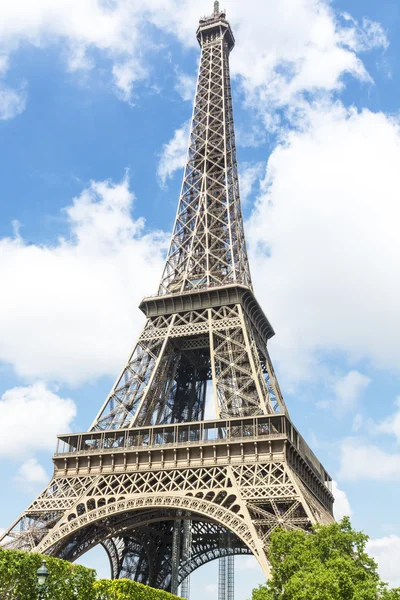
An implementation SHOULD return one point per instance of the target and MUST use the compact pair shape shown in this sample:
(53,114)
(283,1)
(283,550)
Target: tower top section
(207,247)
(214,28)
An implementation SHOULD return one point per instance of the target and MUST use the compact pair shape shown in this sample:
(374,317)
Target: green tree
(331,564)
(66,581)
(125,589)
(393,594)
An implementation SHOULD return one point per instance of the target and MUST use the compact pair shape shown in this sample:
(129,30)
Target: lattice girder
(238,365)
(208,246)
(248,499)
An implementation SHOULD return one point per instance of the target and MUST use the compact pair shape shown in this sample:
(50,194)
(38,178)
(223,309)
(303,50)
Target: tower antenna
(216,8)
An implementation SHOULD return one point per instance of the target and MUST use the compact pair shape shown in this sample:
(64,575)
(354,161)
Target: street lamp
(41,575)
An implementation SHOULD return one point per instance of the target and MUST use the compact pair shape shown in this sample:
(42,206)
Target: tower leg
(186,553)
(176,555)
(226,574)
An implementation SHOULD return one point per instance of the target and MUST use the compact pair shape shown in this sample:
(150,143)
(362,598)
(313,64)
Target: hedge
(65,582)
(125,589)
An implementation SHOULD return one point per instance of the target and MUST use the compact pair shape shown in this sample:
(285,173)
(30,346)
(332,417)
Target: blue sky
(95,97)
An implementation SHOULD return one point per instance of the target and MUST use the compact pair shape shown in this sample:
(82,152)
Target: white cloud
(390,425)
(185,86)
(386,552)
(249,174)
(211,588)
(173,154)
(31,473)
(79,59)
(70,310)
(318,51)
(81,28)
(357,422)
(341,506)
(370,35)
(126,74)
(250,135)
(364,461)
(312,59)
(347,391)
(324,241)
(30,419)
(12,102)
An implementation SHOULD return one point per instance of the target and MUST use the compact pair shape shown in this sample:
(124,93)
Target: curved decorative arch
(111,550)
(188,569)
(114,546)
(129,525)
(219,514)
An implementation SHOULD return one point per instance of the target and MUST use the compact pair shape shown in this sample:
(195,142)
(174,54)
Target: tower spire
(216,8)
(208,247)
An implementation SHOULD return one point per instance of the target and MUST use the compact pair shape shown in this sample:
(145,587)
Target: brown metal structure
(151,464)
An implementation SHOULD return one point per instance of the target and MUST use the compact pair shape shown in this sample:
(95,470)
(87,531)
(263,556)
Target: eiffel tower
(161,488)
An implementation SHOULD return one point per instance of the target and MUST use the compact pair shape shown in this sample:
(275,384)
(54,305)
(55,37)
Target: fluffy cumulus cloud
(12,101)
(341,507)
(321,46)
(318,51)
(324,240)
(81,27)
(349,388)
(390,425)
(30,419)
(286,70)
(346,393)
(127,73)
(386,552)
(185,85)
(173,154)
(83,291)
(249,175)
(361,460)
(31,473)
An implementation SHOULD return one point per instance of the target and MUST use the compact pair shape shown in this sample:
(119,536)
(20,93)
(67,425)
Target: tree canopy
(330,564)
(66,581)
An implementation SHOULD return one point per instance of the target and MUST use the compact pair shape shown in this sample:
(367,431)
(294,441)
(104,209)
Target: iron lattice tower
(150,464)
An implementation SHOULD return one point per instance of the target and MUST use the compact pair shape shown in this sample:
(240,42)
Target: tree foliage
(125,589)
(65,581)
(331,564)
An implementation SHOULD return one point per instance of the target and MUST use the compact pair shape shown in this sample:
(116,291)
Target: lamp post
(41,575)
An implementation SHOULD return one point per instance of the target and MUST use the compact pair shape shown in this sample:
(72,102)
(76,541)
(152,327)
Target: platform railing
(240,429)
